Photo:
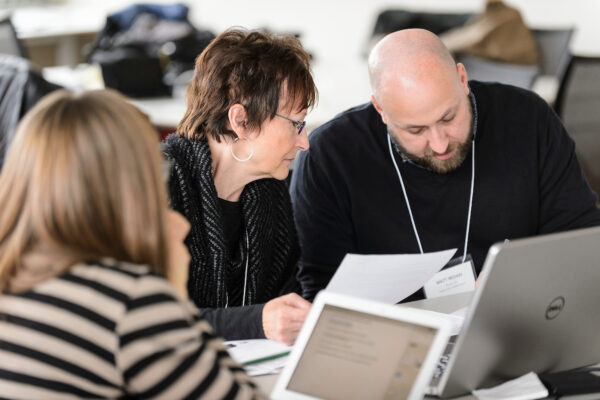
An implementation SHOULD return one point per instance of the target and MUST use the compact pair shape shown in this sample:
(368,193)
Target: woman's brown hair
(249,68)
(83,179)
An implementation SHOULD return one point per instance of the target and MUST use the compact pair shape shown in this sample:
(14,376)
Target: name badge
(451,280)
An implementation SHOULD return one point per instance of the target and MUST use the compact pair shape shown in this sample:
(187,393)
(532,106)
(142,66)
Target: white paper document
(456,318)
(266,368)
(388,278)
(259,356)
(461,312)
(526,387)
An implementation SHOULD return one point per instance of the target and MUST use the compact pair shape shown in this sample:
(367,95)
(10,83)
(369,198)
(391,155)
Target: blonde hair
(83,178)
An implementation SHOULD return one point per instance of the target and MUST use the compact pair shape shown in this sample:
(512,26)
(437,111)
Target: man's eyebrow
(407,127)
(444,116)
(447,113)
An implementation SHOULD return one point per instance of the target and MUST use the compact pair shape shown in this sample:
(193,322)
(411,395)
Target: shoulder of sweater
(113,266)
(120,280)
(349,132)
(274,186)
(351,118)
(491,94)
(176,144)
(190,159)
(173,142)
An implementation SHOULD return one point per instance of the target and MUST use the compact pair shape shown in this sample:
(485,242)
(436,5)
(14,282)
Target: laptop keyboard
(443,362)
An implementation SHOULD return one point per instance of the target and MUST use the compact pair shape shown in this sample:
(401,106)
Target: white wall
(336,32)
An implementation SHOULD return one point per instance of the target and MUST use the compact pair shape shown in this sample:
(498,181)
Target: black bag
(144,47)
(182,53)
(132,71)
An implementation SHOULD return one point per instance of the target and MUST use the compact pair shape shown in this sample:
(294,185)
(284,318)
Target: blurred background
(72,44)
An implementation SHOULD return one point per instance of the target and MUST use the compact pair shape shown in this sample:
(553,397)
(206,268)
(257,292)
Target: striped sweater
(111,330)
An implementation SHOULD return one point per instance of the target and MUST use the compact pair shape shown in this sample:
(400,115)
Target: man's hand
(283,317)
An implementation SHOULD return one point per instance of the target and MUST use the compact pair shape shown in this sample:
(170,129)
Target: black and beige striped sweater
(111,330)
(216,280)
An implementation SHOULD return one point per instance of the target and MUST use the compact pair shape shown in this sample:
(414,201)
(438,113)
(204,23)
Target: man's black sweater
(347,197)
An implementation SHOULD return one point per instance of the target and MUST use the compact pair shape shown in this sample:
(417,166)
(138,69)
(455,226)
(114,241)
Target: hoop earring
(236,157)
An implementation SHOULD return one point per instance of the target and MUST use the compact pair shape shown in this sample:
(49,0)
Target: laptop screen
(356,355)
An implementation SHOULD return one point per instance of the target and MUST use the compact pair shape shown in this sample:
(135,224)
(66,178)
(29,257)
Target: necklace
(412,220)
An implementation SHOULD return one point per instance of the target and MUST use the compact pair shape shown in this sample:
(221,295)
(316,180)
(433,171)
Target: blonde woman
(85,235)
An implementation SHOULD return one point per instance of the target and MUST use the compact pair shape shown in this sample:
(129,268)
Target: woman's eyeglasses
(297,124)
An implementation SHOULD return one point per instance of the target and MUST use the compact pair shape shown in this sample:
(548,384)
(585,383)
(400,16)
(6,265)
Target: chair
(554,50)
(21,86)
(578,105)
(482,69)
(553,45)
(9,42)
(554,60)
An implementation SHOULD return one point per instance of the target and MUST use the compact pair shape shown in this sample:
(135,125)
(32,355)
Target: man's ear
(238,119)
(462,75)
(379,109)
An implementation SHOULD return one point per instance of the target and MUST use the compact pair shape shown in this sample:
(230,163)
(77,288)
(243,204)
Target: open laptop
(537,308)
(351,348)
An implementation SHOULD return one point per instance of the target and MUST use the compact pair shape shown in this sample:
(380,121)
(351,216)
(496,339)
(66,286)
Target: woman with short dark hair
(242,129)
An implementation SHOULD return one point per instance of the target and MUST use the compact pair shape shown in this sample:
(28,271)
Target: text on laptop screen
(355,355)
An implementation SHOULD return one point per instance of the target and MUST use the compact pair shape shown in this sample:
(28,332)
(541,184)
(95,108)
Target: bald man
(433,162)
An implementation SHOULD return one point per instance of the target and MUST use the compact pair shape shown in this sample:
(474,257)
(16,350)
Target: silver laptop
(351,348)
(537,308)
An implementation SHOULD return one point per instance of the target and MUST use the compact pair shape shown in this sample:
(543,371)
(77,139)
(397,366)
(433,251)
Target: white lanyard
(248,259)
(412,220)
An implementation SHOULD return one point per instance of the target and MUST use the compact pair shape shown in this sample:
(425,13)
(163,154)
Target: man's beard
(440,166)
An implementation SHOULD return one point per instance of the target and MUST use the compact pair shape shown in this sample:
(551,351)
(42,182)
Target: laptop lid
(536,309)
(351,348)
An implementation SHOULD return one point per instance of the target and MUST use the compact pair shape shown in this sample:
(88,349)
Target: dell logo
(555,307)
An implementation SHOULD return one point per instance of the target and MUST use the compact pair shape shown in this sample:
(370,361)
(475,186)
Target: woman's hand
(283,317)
(179,257)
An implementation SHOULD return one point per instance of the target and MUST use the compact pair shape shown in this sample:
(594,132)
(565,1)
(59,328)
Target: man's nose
(438,140)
